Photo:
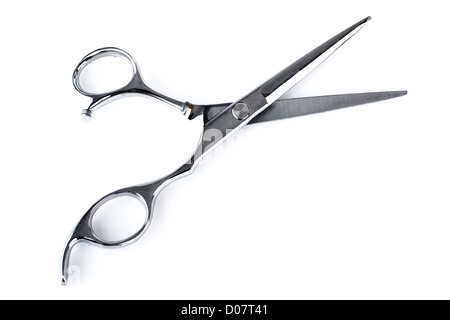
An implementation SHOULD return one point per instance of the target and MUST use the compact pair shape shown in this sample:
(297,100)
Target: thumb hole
(119,218)
(105,74)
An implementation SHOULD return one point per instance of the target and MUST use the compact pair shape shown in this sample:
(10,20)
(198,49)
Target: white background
(349,204)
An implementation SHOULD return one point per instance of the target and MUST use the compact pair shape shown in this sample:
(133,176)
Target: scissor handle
(95,55)
(136,85)
(146,194)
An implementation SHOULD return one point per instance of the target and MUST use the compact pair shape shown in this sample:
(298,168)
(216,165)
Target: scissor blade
(274,88)
(288,108)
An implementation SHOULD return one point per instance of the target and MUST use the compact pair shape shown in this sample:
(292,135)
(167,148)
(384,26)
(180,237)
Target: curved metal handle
(95,55)
(135,86)
(146,193)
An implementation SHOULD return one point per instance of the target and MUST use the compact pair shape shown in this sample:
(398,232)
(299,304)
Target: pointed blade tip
(400,93)
(365,20)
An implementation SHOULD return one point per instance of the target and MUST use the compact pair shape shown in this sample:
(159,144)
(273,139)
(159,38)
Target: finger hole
(105,74)
(119,218)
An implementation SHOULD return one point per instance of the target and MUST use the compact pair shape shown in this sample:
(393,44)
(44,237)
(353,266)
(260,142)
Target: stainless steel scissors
(261,104)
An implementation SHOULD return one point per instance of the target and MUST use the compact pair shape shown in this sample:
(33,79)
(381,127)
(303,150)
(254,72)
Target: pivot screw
(240,111)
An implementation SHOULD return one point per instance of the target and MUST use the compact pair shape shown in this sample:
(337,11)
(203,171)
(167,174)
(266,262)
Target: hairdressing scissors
(261,104)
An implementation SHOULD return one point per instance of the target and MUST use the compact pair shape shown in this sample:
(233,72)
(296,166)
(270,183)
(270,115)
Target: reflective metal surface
(296,107)
(286,79)
(84,231)
(240,111)
(136,86)
(224,120)
(288,108)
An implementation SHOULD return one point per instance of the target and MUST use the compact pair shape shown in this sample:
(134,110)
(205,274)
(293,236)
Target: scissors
(261,104)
